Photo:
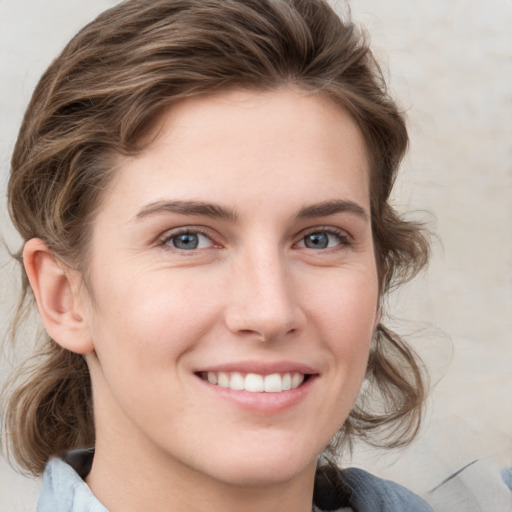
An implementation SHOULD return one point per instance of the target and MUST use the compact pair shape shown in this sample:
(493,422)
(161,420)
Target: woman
(202,188)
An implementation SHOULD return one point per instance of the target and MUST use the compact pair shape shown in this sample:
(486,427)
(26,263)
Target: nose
(263,301)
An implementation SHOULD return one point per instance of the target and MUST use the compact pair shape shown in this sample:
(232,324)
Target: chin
(261,476)
(266,469)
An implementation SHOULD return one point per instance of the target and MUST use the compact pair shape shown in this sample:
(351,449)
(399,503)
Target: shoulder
(370,491)
(482,484)
(64,490)
(363,492)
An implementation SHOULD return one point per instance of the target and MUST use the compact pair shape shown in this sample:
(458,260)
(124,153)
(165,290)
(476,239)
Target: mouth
(254,382)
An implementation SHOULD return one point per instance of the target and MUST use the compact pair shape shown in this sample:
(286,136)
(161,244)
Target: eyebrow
(198,208)
(332,207)
(211,210)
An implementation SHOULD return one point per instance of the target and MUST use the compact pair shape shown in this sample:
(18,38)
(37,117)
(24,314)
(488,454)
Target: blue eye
(322,240)
(189,241)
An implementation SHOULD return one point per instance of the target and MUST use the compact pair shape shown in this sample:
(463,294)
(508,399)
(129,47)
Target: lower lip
(263,403)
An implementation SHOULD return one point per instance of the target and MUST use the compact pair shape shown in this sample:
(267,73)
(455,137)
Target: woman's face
(234,287)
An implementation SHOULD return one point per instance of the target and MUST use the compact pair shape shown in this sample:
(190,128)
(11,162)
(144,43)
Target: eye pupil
(186,241)
(316,241)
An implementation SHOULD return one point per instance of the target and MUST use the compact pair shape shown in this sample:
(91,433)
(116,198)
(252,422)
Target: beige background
(450,64)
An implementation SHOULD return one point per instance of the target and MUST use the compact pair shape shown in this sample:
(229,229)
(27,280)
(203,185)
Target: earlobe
(57,297)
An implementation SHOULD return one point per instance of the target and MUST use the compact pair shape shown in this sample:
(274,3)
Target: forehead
(239,144)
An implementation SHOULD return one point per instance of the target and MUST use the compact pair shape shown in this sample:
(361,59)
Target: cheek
(347,315)
(348,304)
(143,329)
(149,318)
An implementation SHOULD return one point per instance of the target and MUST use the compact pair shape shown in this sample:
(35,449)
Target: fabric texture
(64,490)
(363,492)
(480,485)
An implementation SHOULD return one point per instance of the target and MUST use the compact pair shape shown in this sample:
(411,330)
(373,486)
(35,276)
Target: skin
(254,294)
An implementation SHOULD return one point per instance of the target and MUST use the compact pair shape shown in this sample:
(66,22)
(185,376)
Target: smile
(254,382)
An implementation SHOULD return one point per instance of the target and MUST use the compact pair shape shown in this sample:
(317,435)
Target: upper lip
(260,367)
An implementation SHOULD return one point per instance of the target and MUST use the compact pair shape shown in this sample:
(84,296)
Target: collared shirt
(64,490)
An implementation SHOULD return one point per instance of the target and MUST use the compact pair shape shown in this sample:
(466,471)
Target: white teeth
(273,383)
(223,380)
(237,381)
(255,383)
(287,382)
(297,380)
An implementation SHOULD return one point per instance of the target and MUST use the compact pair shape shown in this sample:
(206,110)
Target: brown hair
(104,92)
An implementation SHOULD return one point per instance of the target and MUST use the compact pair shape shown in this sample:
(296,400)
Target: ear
(56,290)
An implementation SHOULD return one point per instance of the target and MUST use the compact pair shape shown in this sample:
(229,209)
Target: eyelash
(344,238)
(164,240)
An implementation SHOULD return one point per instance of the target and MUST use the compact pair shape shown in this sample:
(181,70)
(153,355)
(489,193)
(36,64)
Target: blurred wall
(450,66)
